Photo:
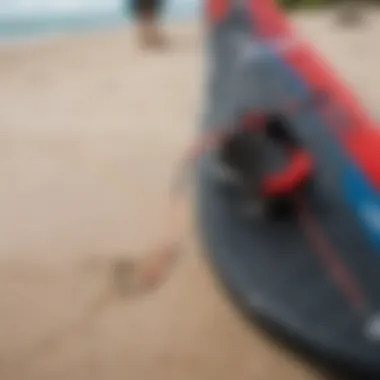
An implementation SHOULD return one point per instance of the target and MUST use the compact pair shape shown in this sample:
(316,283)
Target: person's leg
(148,13)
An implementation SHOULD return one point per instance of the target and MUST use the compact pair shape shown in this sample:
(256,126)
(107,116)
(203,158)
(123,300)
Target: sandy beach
(91,129)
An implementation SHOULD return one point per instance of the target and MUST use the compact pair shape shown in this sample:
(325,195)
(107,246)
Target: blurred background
(91,129)
(20,18)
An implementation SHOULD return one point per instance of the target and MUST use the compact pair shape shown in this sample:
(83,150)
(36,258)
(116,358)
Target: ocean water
(20,19)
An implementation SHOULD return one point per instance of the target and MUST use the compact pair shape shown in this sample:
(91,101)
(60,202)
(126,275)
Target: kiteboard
(314,276)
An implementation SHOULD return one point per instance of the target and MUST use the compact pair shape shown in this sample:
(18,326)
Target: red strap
(287,181)
(294,175)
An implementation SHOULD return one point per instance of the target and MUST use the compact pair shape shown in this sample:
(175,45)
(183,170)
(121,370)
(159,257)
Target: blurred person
(147,13)
(351,12)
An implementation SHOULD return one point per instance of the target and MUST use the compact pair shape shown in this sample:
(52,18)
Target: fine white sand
(91,128)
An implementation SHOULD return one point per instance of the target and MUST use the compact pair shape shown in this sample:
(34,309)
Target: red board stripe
(270,22)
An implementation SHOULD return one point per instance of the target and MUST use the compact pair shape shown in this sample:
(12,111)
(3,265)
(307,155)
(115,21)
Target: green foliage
(294,4)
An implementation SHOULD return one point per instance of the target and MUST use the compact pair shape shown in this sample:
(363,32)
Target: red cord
(330,257)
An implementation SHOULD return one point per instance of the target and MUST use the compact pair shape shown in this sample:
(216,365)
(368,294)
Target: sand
(91,130)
